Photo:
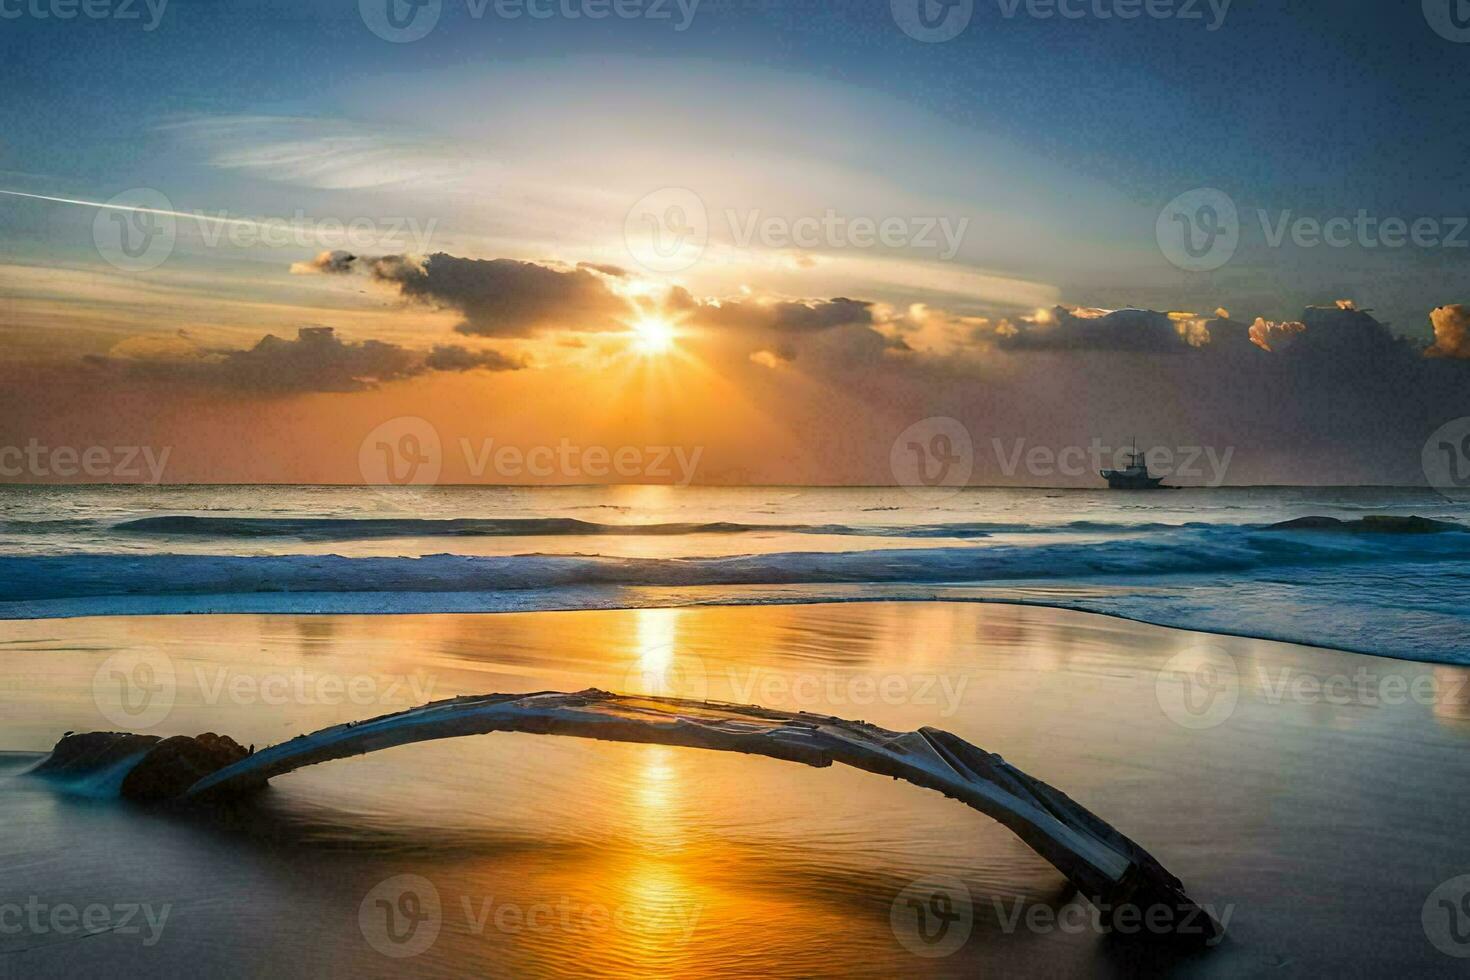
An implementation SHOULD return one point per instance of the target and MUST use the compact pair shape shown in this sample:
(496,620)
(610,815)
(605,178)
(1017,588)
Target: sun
(653,336)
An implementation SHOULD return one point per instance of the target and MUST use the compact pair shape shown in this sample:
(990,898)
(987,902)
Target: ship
(1134,476)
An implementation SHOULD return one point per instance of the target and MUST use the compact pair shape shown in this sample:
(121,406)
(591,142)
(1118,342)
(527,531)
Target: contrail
(197,216)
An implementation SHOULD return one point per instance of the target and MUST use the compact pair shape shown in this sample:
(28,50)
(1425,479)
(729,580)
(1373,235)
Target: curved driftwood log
(1106,867)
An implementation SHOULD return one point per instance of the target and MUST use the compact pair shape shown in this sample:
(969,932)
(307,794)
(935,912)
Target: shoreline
(597,599)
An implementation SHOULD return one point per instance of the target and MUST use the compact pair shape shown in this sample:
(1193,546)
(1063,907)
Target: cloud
(505,297)
(1090,329)
(332,262)
(1451,332)
(316,361)
(452,357)
(788,316)
(1263,331)
(324,153)
(617,272)
(773,357)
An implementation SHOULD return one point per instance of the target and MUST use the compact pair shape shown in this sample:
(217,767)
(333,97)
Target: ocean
(520,854)
(1205,559)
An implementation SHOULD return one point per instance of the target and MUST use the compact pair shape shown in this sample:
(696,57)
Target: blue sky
(1284,106)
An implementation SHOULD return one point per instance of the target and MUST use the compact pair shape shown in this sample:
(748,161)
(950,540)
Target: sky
(271,238)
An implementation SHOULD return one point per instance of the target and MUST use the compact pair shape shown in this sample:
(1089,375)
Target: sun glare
(652,336)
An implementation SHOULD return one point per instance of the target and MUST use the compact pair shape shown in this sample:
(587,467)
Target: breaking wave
(1187,550)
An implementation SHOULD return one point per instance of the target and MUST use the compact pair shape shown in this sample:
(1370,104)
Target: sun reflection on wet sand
(595,858)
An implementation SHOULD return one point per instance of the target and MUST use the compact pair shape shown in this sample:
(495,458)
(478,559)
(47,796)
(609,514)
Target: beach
(1309,798)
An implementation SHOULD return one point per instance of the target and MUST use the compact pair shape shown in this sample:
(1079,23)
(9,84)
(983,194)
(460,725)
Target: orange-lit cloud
(1451,332)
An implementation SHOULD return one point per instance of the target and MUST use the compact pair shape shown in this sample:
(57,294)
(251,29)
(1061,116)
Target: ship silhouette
(1134,476)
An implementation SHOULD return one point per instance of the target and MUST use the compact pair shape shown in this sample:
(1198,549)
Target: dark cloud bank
(1334,397)
(316,361)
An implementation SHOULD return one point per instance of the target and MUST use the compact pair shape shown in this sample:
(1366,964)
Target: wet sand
(1313,797)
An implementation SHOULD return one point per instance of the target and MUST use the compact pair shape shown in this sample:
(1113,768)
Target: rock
(175,764)
(92,752)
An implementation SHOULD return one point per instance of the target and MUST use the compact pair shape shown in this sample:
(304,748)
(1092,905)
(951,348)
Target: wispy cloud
(330,154)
